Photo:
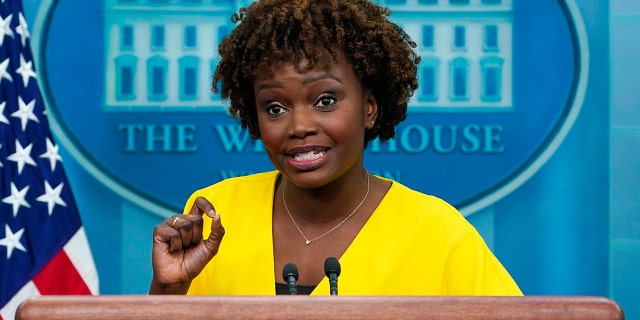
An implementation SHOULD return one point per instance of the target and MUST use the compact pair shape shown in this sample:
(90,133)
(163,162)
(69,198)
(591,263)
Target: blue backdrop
(569,226)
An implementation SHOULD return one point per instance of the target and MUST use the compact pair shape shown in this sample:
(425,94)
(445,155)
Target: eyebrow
(321,77)
(270,86)
(305,81)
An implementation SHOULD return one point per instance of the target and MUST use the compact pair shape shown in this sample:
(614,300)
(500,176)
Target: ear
(371,109)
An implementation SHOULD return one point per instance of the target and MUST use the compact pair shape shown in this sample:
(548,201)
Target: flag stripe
(78,251)
(60,277)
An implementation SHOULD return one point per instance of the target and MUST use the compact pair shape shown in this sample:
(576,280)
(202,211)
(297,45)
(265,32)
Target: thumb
(215,237)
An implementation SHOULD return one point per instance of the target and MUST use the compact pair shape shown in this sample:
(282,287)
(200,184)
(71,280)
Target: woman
(316,81)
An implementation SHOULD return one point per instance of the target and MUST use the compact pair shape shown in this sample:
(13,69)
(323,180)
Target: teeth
(311,155)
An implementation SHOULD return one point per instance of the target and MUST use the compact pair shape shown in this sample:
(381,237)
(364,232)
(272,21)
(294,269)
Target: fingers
(166,238)
(202,205)
(185,231)
(180,232)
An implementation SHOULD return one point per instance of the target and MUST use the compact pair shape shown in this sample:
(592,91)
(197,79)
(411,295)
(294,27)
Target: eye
(274,108)
(326,101)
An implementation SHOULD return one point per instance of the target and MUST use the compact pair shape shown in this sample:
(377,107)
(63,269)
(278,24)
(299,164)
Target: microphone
(332,270)
(290,275)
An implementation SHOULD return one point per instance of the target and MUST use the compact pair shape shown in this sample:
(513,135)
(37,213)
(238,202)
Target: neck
(328,203)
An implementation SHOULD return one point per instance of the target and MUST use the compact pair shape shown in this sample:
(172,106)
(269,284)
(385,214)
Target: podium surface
(307,307)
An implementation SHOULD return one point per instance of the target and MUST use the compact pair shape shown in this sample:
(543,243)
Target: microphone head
(331,265)
(289,270)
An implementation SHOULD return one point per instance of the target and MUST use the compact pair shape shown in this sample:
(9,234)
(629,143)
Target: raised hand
(179,253)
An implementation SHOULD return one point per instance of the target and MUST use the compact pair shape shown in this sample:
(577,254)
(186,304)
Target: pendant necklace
(307,241)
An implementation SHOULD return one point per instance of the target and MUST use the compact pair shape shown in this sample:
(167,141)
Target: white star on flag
(22,156)
(23,29)
(4,74)
(12,240)
(17,198)
(26,70)
(52,154)
(52,196)
(5,28)
(25,113)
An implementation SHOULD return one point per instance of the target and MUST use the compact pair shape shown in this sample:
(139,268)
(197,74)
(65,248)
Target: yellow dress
(413,244)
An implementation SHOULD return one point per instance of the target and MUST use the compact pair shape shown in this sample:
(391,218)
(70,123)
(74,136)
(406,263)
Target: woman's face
(312,124)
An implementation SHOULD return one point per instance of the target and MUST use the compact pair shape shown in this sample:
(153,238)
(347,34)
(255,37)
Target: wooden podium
(306,307)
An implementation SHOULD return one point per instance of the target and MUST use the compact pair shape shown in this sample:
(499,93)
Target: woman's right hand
(179,253)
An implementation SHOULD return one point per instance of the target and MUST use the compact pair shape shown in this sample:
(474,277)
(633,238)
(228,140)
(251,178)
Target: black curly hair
(270,32)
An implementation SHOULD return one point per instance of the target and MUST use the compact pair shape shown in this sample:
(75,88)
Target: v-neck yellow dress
(413,244)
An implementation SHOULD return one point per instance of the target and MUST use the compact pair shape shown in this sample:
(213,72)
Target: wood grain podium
(306,307)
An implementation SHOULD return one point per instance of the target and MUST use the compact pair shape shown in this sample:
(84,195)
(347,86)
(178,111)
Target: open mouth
(309,155)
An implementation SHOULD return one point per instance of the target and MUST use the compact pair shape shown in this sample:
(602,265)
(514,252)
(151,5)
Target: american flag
(43,246)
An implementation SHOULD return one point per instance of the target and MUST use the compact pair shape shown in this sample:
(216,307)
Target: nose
(302,123)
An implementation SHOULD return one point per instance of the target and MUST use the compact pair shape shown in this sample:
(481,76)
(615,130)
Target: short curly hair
(270,32)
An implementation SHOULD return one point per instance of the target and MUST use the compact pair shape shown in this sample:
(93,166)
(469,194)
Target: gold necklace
(308,241)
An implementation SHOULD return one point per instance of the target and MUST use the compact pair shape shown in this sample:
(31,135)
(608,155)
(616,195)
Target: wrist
(157,287)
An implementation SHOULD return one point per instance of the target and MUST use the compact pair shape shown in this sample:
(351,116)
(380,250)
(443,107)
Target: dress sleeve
(474,270)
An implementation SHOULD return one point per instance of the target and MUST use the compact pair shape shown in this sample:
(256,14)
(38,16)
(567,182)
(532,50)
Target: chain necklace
(307,241)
